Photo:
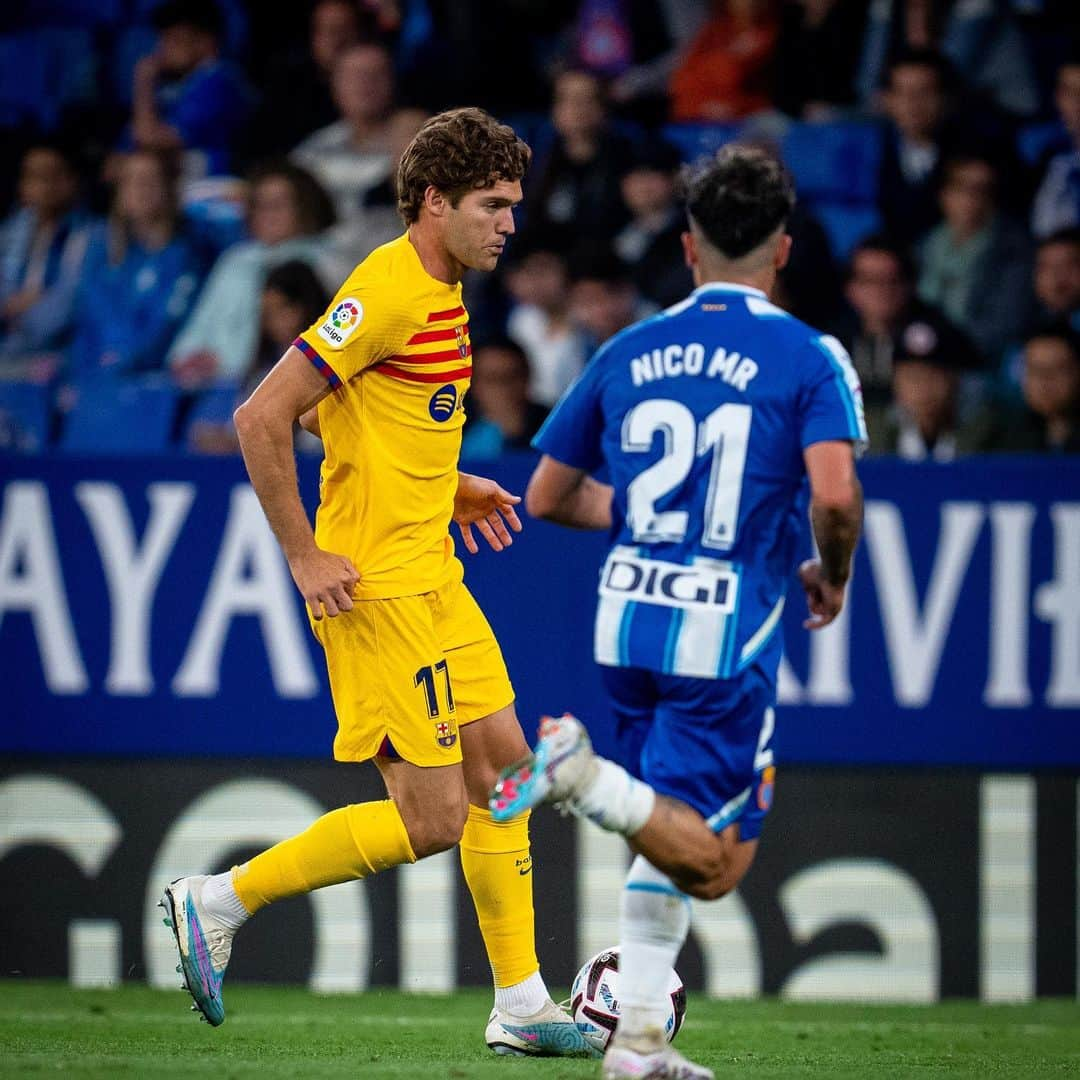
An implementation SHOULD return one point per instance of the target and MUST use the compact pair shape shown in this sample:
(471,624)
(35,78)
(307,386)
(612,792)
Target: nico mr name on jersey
(674,360)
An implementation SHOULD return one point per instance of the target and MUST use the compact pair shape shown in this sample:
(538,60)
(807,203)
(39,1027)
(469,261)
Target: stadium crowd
(193,180)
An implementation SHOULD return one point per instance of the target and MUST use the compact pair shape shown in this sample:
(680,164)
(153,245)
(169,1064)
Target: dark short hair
(587,264)
(1070,235)
(739,198)
(456,152)
(314,206)
(66,148)
(300,285)
(925,58)
(508,345)
(1060,330)
(883,242)
(202,14)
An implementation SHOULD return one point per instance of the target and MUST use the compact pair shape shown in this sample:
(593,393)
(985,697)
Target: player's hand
(490,508)
(824,599)
(325,581)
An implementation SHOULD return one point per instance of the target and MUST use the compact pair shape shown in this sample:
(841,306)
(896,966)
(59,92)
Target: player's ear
(783,251)
(435,201)
(689,247)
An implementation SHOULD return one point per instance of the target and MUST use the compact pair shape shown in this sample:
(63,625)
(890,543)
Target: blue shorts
(706,742)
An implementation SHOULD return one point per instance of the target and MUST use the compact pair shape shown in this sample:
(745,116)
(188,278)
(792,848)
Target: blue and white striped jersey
(701,414)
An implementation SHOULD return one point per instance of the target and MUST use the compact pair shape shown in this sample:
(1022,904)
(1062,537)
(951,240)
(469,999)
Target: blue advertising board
(145,610)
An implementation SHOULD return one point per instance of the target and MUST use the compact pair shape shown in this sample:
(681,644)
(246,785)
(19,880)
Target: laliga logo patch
(342,321)
(445,734)
(443,402)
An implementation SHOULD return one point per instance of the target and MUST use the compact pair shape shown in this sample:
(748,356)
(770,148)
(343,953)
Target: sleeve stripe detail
(857,430)
(437,335)
(321,365)
(442,316)
(394,372)
(431,358)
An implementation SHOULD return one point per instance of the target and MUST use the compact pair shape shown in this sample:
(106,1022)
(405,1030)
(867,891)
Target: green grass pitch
(47,1028)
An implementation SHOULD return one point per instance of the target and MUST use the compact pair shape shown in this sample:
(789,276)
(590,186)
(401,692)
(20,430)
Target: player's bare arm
(568,496)
(483,503)
(264,426)
(836,518)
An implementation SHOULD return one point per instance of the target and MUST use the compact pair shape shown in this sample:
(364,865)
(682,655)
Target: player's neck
(764,280)
(435,259)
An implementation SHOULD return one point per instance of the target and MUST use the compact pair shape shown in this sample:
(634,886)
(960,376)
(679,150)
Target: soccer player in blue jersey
(719,420)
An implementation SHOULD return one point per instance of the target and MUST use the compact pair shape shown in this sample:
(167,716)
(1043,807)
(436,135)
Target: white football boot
(551,1032)
(203,943)
(662,1063)
(560,766)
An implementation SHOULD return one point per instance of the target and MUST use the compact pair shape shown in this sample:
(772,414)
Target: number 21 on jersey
(724,433)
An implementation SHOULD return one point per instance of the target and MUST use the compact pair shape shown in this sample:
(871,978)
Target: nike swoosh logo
(525,870)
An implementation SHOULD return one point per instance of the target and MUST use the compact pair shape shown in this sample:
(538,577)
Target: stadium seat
(42,72)
(695,141)
(68,13)
(845,224)
(111,416)
(24,418)
(1037,141)
(837,161)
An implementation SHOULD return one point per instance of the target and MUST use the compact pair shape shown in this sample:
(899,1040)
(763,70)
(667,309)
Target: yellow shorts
(406,672)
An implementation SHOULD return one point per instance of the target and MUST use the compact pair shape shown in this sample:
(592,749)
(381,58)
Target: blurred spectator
(296,95)
(603,299)
(377,221)
(184,95)
(353,154)
(651,243)
(917,139)
(816,53)
(809,284)
(292,299)
(476,52)
(506,418)
(921,423)
(43,245)
(981,40)
(976,265)
(288,211)
(726,74)
(635,44)
(141,276)
(1057,277)
(1057,202)
(540,322)
(573,186)
(1050,418)
(885,319)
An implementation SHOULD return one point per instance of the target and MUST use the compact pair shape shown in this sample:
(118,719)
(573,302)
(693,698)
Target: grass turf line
(48,1027)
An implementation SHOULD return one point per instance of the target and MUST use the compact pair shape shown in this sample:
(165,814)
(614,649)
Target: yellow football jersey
(394,345)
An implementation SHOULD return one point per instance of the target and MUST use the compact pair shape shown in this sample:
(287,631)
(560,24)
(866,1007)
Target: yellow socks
(343,845)
(498,869)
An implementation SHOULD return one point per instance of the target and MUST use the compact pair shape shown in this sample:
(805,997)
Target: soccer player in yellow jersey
(417,678)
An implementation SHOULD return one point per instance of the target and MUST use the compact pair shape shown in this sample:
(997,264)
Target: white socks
(654,918)
(614,800)
(523,999)
(219,899)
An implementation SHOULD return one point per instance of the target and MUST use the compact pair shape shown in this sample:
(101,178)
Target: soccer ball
(594,999)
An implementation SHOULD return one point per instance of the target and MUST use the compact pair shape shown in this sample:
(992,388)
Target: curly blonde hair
(456,152)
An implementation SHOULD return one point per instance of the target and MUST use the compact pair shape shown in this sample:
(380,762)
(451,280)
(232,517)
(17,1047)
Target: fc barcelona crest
(445,734)
(462,346)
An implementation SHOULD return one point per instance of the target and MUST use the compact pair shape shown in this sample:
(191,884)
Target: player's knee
(712,871)
(713,888)
(437,831)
